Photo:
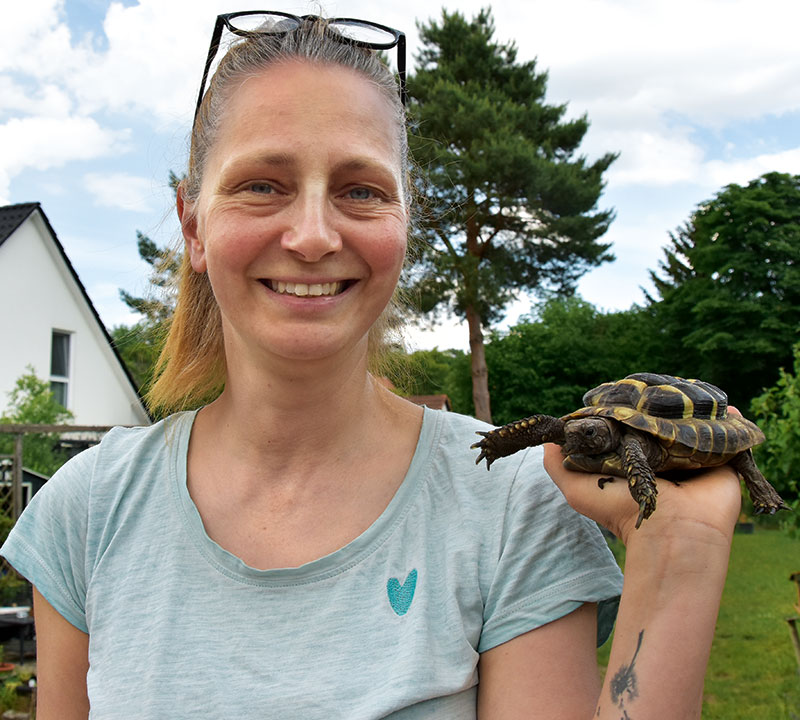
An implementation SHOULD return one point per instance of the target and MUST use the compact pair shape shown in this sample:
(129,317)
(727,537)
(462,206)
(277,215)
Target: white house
(47,321)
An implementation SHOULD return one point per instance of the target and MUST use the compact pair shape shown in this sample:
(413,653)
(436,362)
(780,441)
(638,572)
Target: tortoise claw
(770,509)
(482,456)
(485,452)
(642,511)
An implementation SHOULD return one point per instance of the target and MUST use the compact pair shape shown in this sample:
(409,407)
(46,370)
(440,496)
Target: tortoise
(644,424)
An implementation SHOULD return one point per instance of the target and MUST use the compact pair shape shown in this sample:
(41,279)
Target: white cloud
(652,156)
(669,159)
(31,21)
(706,58)
(45,142)
(645,72)
(152,63)
(5,187)
(450,333)
(120,190)
(719,172)
(47,99)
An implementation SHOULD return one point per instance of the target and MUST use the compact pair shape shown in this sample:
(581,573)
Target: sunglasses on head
(361,33)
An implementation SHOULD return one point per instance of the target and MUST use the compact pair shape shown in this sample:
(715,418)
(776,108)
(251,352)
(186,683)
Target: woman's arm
(675,569)
(62,661)
(667,615)
(550,672)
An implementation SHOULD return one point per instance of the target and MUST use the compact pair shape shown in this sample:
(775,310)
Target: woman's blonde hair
(191,370)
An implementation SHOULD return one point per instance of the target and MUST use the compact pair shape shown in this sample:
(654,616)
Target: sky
(96,100)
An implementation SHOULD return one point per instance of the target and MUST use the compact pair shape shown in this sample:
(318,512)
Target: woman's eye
(262,188)
(360,193)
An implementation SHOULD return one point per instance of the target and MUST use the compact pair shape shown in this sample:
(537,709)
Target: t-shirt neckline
(326,566)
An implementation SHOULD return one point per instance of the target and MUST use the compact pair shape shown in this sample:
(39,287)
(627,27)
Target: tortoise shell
(688,417)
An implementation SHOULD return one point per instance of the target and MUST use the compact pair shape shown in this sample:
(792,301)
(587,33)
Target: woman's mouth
(306,289)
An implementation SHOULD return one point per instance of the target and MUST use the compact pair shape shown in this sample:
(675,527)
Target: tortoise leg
(764,496)
(508,439)
(641,481)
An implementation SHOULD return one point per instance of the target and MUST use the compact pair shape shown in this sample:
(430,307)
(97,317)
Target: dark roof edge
(103,329)
(19,206)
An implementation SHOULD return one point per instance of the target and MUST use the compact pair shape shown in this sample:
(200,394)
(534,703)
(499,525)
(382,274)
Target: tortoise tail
(508,439)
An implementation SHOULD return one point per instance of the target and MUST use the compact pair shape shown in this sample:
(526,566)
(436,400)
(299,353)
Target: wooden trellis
(11,489)
(7,485)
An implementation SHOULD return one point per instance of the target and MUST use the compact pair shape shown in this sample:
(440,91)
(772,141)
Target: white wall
(38,295)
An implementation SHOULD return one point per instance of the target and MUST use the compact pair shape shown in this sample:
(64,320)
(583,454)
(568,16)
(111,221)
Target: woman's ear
(188,218)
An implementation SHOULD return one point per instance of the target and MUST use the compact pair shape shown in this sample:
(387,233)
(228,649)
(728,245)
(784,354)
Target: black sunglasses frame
(225,21)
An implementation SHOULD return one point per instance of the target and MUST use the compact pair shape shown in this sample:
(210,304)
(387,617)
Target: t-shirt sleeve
(551,561)
(47,545)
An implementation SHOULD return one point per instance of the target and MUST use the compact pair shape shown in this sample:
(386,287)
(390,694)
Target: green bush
(777,412)
(32,402)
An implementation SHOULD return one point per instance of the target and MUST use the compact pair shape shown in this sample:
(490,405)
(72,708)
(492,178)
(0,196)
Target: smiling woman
(307,544)
(192,368)
(306,195)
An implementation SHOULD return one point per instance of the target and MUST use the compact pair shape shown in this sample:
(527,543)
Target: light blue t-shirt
(391,625)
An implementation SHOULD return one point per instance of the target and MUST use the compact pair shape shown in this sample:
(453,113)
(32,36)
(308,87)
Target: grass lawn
(752,673)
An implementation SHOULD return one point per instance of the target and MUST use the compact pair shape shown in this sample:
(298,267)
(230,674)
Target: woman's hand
(675,569)
(710,500)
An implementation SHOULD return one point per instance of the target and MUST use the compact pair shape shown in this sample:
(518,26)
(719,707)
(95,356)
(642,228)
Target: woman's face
(301,220)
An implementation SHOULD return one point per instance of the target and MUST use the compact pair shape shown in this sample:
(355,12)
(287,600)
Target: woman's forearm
(673,585)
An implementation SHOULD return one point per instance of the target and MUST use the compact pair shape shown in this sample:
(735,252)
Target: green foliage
(32,402)
(164,269)
(10,698)
(433,372)
(547,364)
(751,672)
(777,412)
(729,287)
(11,584)
(164,265)
(509,204)
(140,344)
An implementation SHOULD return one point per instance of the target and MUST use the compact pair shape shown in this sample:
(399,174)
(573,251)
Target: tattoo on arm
(624,684)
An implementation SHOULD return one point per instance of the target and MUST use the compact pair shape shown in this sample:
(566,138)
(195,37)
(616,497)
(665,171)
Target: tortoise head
(592,435)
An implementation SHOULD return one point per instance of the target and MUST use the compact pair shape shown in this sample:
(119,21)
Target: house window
(59,366)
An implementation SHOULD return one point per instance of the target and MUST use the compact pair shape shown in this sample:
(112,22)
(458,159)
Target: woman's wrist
(679,549)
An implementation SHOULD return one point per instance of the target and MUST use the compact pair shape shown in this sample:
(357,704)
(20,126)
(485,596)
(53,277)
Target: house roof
(11,217)
(435,402)
(6,465)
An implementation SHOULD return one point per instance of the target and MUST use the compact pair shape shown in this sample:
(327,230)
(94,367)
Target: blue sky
(96,100)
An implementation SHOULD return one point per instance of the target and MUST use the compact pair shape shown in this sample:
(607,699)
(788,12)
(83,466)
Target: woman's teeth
(305,289)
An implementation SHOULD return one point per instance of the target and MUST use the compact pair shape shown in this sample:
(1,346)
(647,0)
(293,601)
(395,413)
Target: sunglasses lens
(365,33)
(267,23)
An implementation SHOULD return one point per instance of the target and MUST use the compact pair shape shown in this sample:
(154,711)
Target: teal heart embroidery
(400,596)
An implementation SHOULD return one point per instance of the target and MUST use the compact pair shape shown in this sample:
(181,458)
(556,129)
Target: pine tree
(140,344)
(509,206)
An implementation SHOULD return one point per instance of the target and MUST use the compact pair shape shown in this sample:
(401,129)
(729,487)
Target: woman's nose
(312,236)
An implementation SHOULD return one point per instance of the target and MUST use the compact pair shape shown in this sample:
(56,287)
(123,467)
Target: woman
(308,544)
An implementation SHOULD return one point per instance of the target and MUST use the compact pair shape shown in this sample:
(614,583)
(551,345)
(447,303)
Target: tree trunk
(480,373)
